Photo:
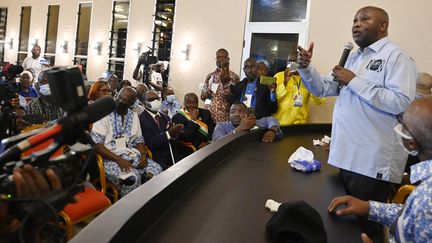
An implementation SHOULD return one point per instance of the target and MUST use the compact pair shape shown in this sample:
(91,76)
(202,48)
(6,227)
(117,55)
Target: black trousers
(367,188)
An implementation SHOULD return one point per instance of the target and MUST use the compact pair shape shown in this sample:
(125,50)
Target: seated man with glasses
(119,141)
(260,97)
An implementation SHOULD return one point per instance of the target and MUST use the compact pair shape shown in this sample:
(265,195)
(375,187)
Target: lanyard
(115,125)
(298,85)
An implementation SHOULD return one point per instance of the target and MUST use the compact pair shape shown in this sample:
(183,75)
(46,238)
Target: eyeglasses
(401,130)
(105,90)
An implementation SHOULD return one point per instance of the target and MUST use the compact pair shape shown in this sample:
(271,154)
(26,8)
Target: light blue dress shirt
(411,222)
(365,112)
(224,128)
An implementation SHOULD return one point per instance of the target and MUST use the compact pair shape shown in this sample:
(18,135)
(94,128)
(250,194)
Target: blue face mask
(170,99)
(45,90)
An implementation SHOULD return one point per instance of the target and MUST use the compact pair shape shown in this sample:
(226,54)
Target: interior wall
(205,26)
(209,25)
(139,30)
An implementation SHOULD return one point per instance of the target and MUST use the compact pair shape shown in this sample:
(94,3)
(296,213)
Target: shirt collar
(153,114)
(377,45)
(421,171)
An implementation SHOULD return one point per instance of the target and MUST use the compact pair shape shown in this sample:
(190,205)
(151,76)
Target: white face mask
(402,133)
(154,105)
(45,90)
(170,99)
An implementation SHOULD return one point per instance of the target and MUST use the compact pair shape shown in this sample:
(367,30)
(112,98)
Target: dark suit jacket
(264,106)
(156,139)
(190,129)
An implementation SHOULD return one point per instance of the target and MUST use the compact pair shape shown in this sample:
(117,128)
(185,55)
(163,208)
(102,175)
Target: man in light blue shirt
(377,84)
(412,221)
(240,121)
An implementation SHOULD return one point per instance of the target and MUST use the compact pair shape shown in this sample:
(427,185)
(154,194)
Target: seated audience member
(33,72)
(197,124)
(423,85)
(98,90)
(158,130)
(240,120)
(113,82)
(119,141)
(26,90)
(253,94)
(411,222)
(141,89)
(44,104)
(170,105)
(125,83)
(292,96)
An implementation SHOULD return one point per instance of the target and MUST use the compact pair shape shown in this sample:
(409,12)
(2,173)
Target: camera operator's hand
(125,165)
(30,182)
(175,129)
(141,59)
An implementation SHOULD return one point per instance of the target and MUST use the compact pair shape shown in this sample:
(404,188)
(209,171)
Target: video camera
(146,59)
(8,91)
(68,90)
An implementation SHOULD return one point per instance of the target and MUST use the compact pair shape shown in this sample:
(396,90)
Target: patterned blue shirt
(365,112)
(224,128)
(412,221)
(170,109)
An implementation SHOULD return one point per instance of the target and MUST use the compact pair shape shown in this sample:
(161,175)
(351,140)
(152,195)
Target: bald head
(128,91)
(418,120)
(379,12)
(424,84)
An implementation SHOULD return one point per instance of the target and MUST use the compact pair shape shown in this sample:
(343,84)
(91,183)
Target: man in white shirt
(35,61)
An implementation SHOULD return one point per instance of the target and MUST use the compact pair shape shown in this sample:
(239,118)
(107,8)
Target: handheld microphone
(70,128)
(347,49)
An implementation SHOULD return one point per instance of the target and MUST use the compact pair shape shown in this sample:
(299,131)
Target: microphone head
(349,46)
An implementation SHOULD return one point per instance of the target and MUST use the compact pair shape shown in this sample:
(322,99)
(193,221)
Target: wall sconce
(98,48)
(34,42)
(9,43)
(138,48)
(64,46)
(185,52)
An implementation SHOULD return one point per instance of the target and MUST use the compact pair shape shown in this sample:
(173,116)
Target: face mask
(402,133)
(122,108)
(154,105)
(170,99)
(45,90)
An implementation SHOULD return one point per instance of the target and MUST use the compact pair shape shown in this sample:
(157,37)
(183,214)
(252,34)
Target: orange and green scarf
(203,127)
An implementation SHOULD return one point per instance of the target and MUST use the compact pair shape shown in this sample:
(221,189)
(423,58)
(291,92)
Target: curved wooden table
(218,194)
